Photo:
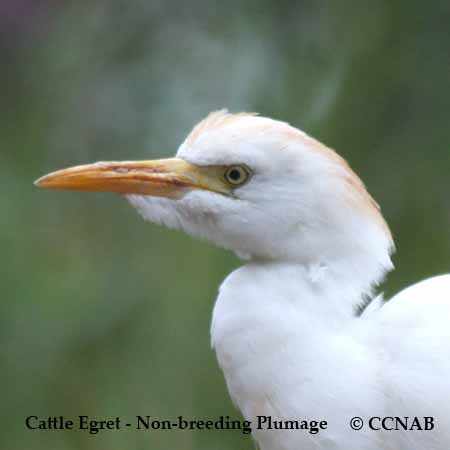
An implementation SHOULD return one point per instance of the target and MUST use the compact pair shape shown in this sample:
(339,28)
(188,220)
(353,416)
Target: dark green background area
(104,314)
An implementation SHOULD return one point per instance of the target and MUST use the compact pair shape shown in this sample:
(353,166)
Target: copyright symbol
(356,423)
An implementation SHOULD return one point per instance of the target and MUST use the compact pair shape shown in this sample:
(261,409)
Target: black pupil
(234,174)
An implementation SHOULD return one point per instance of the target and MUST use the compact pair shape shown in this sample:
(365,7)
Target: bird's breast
(278,362)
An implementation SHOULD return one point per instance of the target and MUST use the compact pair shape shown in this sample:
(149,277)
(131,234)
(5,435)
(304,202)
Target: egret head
(253,185)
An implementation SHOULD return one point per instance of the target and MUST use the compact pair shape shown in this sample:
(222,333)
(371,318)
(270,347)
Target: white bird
(314,245)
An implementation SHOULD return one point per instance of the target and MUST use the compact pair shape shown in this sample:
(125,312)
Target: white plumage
(314,245)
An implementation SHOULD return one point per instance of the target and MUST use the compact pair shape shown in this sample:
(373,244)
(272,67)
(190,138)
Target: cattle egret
(314,246)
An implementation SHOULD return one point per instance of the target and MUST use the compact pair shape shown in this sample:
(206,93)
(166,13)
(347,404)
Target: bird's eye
(237,175)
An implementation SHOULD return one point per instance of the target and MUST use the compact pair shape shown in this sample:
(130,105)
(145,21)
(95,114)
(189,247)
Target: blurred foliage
(103,314)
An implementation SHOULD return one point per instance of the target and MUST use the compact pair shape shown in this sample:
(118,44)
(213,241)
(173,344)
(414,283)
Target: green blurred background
(103,314)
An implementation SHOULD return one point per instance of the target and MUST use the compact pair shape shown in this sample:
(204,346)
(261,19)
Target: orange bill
(162,177)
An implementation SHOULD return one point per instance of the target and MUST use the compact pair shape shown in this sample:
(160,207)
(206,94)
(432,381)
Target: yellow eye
(236,175)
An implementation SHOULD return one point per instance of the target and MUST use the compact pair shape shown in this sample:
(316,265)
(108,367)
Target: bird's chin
(158,210)
(210,217)
(187,214)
